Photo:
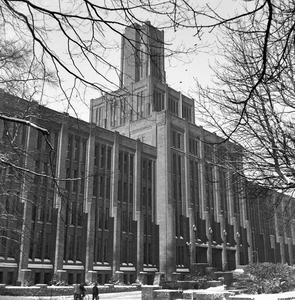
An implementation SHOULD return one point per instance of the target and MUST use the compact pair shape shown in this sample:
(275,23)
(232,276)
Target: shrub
(267,278)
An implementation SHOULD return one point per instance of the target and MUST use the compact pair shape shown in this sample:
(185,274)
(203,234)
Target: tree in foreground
(252,102)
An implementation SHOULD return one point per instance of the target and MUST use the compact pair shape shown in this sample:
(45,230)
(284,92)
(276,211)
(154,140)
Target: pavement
(113,296)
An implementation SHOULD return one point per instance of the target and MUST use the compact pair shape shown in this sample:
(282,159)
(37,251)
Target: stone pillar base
(62,276)
(199,268)
(175,276)
(91,277)
(119,277)
(159,278)
(142,277)
(24,277)
(210,272)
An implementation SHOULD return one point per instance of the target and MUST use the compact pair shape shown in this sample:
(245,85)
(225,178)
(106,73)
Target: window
(208,152)
(84,145)
(108,188)
(109,159)
(49,210)
(76,149)
(102,156)
(106,221)
(95,179)
(173,106)
(222,189)
(156,58)
(177,140)
(80,214)
(193,146)
(82,187)
(39,141)
(68,181)
(37,170)
(75,181)
(209,187)
(101,186)
(124,221)
(159,103)
(186,112)
(69,149)
(96,153)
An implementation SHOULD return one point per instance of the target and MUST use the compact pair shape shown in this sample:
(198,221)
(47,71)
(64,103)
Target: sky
(180,73)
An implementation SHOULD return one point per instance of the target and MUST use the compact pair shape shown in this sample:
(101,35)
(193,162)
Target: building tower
(142,54)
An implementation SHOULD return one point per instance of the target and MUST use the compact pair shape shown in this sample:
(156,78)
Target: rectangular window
(222,190)
(96,153)
(79,248)
(106,220)
(38,245)
(101,186)
(95,184)
(69,149)
(124,221)
(109,159)
(39,141)
(49,208)
(108,188)
(100,216)
(84,147)
(209,187)
(75,181)
(80,214)
(186,112)
(76,149)
(68,181)
(158,101)
(102,156)
(82,182)
(177,140)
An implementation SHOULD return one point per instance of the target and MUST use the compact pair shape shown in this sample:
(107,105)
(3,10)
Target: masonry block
(167,294)
(206,295)
(210,272)
(147,292)
(91,276)
(227,277)
(159,278)
(25,276)
(119,277)
(142,277)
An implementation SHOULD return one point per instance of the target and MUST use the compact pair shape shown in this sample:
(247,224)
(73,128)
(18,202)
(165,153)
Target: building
(141,189)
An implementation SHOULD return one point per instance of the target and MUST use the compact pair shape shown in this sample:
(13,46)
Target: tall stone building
(138,190)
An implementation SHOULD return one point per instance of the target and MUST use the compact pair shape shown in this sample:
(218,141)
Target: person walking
(82,290)
(95,292)
(77,292)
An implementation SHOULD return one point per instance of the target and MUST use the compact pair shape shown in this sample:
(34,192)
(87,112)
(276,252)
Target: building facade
(140,189)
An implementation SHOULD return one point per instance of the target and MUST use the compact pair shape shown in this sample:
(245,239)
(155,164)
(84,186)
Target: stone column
(89,207)
(115,208)
(59,202)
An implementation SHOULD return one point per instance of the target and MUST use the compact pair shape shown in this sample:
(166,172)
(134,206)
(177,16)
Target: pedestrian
(82,290)
(95,292)
(77,292)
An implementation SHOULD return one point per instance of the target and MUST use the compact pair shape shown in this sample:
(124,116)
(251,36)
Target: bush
(267,278)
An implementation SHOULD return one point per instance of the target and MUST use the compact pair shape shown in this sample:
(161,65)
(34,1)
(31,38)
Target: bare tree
(76,37)
(252,100)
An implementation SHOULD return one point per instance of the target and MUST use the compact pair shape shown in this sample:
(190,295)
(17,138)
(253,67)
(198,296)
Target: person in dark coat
(95,292)
(83,290)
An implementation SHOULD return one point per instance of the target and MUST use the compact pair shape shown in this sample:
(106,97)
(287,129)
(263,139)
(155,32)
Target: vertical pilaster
(24,274)
(115,208)
(59,201)
(89,205)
